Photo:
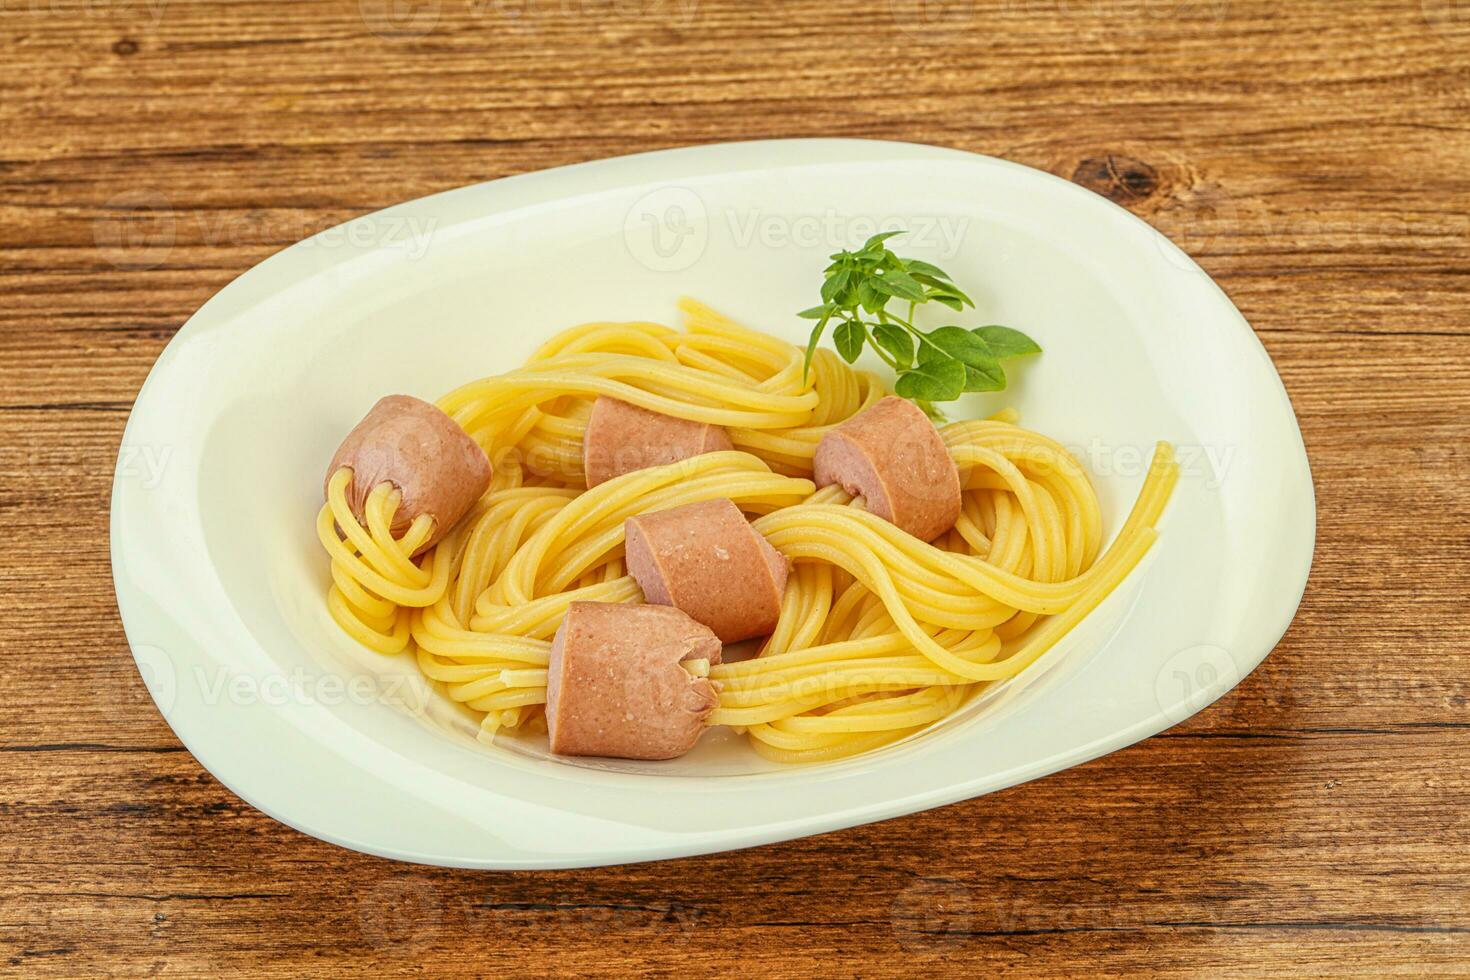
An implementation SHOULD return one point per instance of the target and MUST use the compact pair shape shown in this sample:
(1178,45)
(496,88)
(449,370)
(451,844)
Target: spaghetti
(880,634)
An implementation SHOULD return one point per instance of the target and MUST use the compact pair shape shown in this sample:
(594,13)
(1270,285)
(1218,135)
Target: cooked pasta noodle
(880,634)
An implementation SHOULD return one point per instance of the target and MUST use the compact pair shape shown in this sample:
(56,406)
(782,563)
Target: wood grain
(1315,158)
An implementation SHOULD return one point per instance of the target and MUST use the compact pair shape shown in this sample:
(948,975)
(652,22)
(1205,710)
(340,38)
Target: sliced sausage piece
(892,455)
(413,445)
(622,438)
(707,560)
(616,685)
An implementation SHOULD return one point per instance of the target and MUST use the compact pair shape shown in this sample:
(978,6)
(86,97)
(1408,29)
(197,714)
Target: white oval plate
(220,580)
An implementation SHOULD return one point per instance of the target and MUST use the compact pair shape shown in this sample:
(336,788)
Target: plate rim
(618,170)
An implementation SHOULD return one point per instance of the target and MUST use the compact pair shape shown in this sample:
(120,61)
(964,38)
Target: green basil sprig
(932,366)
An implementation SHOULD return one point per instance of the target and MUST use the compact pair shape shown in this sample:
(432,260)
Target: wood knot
(1122,180)
(126,46)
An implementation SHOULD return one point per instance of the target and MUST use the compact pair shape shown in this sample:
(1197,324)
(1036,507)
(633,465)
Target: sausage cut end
(620,684)
(892,455)
(706,559)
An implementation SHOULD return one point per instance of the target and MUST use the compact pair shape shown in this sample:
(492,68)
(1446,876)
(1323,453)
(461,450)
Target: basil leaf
(811,345)
(835,284)
(878,239)
(982,369)
(896,282)
(918,267)
(937,381)
(849,338)
(942,288)
(856,289)
(985,379)
(868,296)
(963,346)
(1005,342)
(897,342)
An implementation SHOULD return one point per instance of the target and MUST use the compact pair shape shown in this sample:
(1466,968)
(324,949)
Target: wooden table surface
(1314,156)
